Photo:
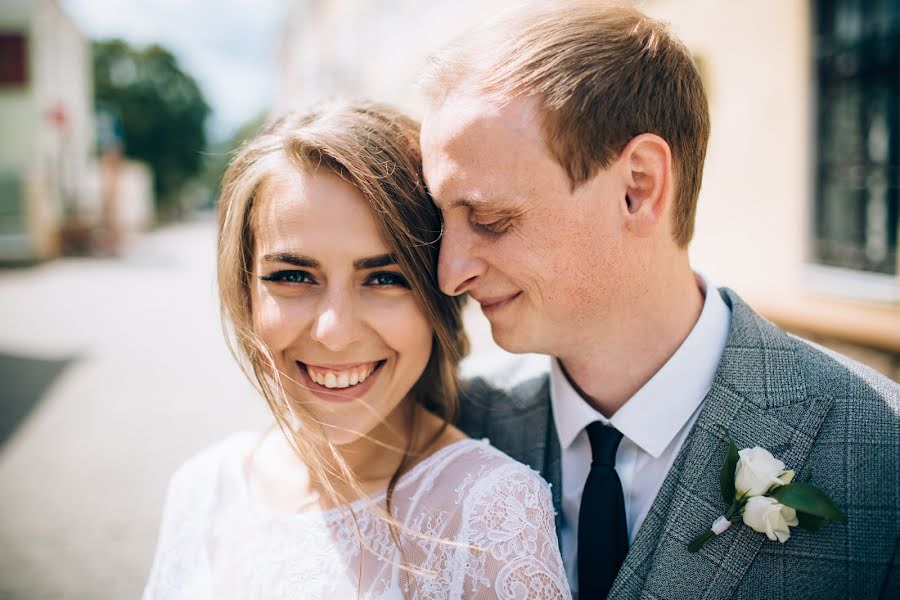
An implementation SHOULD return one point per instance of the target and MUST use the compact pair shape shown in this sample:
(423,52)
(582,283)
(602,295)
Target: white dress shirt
(654,424)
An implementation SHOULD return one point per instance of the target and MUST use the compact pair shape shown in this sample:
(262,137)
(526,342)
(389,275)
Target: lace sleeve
(508,523)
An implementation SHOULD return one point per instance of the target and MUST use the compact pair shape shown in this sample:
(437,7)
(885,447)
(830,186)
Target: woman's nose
(337,324)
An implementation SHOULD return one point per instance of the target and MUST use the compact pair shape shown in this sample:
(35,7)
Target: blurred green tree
(159,110)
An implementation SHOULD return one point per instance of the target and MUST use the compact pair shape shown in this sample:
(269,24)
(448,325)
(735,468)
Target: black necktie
(602,532)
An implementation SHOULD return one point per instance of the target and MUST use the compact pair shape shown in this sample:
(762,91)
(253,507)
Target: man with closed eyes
(564,144)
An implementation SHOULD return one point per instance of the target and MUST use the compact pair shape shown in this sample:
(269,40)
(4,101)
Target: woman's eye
(289,277)
(388,278)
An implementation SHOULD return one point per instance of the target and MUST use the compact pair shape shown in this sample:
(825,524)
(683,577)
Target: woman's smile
(342,384)
(340,377)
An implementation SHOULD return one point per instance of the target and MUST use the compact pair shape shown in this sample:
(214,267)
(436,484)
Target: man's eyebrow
(375,262)
(297,260)
(470,201)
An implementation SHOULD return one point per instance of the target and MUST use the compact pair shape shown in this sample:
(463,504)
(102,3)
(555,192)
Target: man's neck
(610,367)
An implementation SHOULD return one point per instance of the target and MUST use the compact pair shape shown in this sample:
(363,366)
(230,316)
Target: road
(113,371)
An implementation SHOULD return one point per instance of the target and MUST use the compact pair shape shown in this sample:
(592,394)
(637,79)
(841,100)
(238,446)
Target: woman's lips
(341,377)
(333,377)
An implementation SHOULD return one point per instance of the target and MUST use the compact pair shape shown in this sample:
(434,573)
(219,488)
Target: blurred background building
(47,120)
(60,191)
(113,370)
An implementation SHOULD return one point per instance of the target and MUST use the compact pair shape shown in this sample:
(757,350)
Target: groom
(564,144)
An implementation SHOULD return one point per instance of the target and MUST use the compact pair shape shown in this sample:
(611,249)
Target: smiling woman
(334,309)
(328,249)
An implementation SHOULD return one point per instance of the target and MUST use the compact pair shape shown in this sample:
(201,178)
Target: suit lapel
(759,394)
(539,445)
(551,470)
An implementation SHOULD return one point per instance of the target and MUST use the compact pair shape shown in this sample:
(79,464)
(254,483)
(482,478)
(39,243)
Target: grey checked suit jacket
(820,413)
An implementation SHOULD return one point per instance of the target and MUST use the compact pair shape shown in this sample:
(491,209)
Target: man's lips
(494,303)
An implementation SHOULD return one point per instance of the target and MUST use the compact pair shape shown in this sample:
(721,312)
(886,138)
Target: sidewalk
(114,371)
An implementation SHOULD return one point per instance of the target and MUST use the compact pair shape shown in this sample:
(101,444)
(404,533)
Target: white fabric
(654,424)
(486,525)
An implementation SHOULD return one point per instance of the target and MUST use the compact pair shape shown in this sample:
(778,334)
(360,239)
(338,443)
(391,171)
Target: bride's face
(331,304)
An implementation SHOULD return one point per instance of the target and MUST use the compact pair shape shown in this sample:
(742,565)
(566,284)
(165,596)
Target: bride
(327,254)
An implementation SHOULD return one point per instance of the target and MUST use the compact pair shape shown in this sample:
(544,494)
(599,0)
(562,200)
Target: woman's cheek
(278,320)
(378,310)
(401,322)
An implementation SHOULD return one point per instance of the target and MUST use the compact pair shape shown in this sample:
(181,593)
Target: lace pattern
(477,525)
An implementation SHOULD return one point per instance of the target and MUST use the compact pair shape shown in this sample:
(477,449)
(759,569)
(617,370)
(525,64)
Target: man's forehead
(478,152)
(464,116)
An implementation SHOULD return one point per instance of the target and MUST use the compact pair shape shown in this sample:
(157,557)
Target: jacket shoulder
(832,374)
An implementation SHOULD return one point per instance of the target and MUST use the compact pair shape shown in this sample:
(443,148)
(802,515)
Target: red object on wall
(58,116)
(13,59)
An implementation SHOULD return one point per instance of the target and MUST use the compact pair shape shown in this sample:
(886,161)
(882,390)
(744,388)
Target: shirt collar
(657,412)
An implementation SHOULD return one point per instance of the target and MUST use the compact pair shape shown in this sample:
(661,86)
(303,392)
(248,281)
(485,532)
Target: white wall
(372,48)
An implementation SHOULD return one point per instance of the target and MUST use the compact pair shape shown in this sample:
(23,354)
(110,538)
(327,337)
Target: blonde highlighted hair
(376,149)
(603,73)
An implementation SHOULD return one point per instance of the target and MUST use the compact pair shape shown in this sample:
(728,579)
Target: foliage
(160,112)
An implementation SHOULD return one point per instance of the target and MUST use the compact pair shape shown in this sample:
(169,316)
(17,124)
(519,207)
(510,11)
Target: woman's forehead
(315,212)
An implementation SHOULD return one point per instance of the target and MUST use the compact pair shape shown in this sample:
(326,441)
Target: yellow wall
(754,213)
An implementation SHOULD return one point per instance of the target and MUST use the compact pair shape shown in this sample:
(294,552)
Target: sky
(228,46)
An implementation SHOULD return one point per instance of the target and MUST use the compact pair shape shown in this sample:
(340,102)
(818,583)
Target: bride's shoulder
(208,467)
(472,472)
(500,512)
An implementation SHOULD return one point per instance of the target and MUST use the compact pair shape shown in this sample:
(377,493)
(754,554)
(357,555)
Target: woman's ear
(648,193)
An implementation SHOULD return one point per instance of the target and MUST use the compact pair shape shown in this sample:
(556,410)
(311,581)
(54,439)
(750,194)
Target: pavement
(112,373)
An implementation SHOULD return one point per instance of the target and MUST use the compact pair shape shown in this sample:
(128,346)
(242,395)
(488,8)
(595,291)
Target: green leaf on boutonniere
(811,522)
(729,469)
(806,498)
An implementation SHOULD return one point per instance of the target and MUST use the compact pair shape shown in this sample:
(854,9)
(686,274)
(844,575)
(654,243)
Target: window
(13,59)
(857,70)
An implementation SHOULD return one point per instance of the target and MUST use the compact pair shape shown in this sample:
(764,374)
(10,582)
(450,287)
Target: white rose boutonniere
(761,491)
(766,515)
(757,471)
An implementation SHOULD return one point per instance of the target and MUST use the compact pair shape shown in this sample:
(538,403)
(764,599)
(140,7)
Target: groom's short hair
(603,73)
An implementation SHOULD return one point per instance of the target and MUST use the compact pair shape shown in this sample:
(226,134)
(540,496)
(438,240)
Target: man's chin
(512,339)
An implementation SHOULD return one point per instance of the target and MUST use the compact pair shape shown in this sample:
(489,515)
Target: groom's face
(542,260)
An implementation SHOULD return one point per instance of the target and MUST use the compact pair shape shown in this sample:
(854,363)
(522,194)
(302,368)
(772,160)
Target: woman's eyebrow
(362,264)
(375,262)
(293,259)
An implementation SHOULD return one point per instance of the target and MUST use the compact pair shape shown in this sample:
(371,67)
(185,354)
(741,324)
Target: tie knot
(604,443)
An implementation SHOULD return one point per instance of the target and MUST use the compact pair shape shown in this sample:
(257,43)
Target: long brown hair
(376,149)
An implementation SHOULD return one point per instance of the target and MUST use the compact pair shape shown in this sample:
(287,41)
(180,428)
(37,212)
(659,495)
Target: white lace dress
(486,525)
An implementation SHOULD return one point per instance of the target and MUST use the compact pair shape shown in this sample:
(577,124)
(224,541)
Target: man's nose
(337,324)
(459,266)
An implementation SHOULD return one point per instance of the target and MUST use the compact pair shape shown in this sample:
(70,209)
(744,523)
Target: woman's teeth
(340,378)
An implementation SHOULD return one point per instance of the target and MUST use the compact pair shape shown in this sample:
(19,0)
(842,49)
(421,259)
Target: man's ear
(647,161)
